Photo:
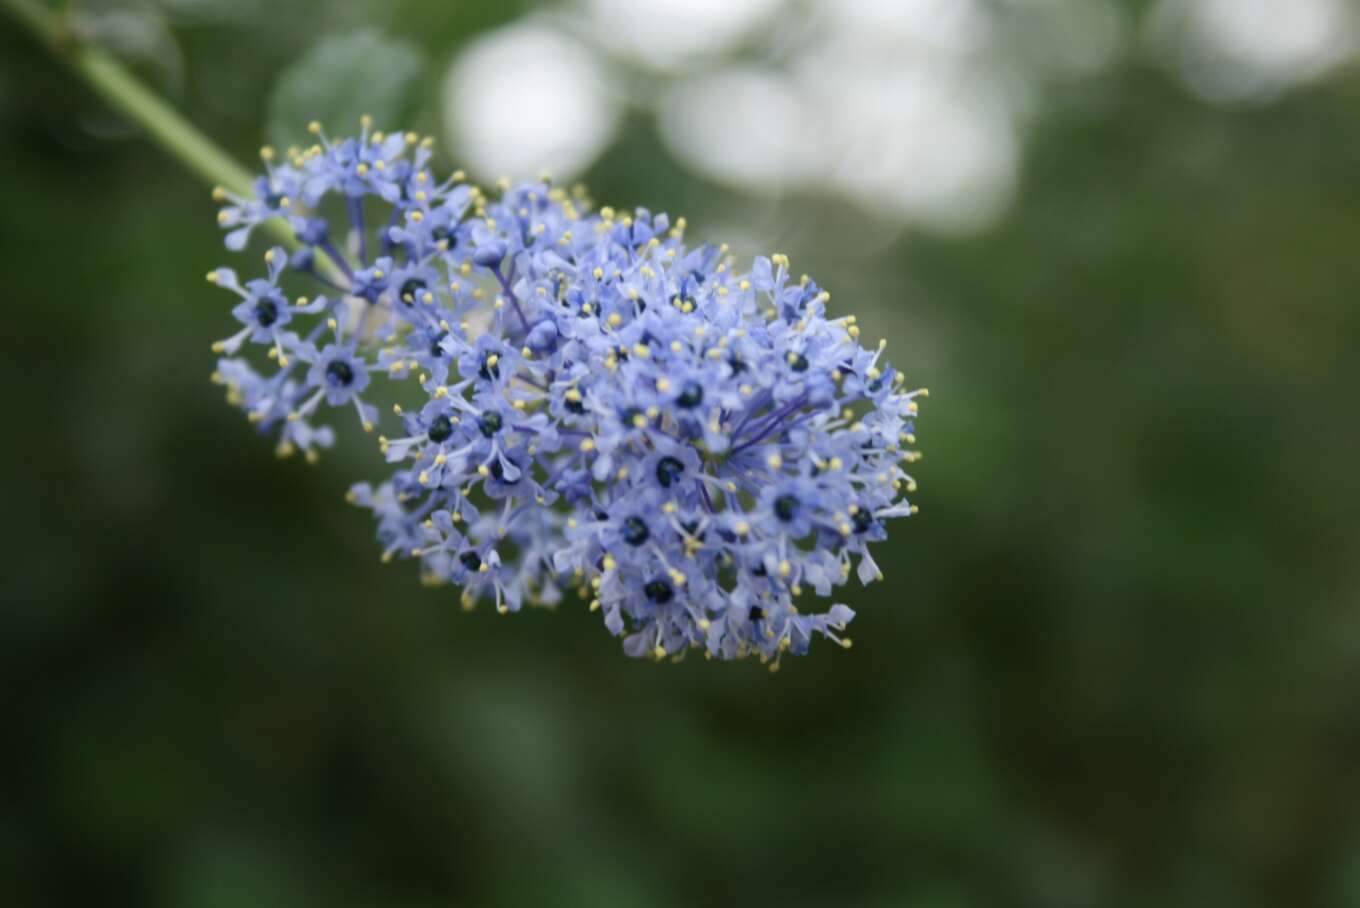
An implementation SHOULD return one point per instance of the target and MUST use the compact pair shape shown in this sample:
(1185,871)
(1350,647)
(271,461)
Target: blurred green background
(1116,660)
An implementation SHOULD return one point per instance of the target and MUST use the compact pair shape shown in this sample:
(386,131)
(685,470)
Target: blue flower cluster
(602,408)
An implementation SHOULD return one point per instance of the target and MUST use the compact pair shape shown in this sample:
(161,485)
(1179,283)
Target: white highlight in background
(663,34)
(743,127)
(1251,50)
(923,142)
(525,99)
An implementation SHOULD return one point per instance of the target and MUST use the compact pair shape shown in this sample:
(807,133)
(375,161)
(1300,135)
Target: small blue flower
(338,373)
(688,446)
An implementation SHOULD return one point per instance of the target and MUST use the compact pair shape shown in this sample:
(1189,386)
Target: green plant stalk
(123,92)
(126,94)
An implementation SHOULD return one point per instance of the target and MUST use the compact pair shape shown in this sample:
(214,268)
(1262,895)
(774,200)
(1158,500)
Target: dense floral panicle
(688,446)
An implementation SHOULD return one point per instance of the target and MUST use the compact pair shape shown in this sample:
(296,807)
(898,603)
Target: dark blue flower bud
(489,255)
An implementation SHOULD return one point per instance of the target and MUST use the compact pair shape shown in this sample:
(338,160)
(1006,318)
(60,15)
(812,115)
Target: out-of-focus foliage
(1115,662)
(339,80)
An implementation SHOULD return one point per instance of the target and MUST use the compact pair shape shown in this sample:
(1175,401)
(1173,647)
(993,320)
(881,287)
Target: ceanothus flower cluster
(601,408)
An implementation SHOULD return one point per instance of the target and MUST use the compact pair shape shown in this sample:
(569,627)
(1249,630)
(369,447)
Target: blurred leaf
(339,80)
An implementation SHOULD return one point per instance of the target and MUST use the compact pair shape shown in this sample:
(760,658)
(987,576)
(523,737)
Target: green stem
(129,96)
(125,93)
